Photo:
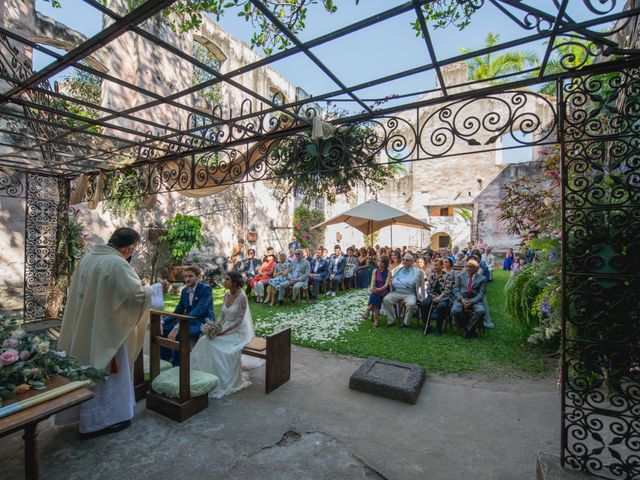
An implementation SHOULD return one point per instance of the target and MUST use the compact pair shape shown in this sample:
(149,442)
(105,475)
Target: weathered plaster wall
(490,228)
(138,61)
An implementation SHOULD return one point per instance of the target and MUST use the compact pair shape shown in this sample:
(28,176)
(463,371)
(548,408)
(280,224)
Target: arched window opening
(440,240)
(206,98)
(276,96)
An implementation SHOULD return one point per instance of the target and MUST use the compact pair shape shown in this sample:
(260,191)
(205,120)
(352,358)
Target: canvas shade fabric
(372,215)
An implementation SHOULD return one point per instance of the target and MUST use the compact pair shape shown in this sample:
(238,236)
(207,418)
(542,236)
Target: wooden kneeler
(184,407)
(140,385)
(275,349)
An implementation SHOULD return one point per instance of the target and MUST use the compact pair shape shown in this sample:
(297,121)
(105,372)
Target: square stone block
(388,378)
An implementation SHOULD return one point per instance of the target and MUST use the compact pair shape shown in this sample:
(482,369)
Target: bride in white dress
(222,354)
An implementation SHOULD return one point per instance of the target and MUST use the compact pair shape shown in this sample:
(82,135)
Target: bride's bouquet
(211,329)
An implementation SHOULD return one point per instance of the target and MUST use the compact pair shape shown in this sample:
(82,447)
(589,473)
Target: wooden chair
(303,291)
(275,349)
(184,407)
(459,327)
(400,308)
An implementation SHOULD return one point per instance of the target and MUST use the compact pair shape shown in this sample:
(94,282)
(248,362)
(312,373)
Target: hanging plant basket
(252,237)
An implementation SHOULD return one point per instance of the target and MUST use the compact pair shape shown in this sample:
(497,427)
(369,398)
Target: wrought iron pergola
(48,152)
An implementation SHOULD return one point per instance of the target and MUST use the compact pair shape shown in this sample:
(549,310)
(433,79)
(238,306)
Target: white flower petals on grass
(323,322)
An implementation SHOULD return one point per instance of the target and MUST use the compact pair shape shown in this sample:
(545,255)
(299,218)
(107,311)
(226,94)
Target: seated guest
(337,263)
(325,253)
(350,266)
(362,270)
(438,294)
(405,284)
(281,270)
(196,300)
(426,265)
(248,268)
(262,277)
(297,278)
(379,289)
(319,274)
(373,262)
(447,265)
(270,251)
(454,253)
(292,255)
(394,262)
(469,293)
(508,261)
(221,355)
(484,269)
(461,261)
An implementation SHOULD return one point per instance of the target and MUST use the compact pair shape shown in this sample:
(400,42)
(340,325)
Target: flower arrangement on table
(28,360)
(211,329)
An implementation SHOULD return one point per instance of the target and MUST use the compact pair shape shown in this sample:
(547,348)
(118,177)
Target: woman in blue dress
(279,276)
(379,288)
(506,265)
(362,270)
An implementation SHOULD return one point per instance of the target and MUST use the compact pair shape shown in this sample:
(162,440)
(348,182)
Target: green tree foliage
(85,87)
(371,239)
(212,94)
(125,199)
(447,12)
(533,202)
(187,15)
(491,65)
(303,220)
(570,54)
(184,232)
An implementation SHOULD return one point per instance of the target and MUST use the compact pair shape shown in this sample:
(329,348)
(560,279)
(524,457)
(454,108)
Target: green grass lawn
(502,350)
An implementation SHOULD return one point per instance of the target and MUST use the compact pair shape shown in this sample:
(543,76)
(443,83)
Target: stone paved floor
(314,427)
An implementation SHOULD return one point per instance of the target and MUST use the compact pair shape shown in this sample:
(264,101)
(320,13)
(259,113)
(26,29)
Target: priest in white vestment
(103,326)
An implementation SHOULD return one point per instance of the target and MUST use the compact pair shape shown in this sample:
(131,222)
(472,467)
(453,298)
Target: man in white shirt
(405,284)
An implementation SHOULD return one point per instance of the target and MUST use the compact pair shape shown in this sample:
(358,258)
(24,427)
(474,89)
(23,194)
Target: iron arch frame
(48,152)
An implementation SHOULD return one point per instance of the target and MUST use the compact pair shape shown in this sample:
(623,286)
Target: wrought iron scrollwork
(445,129)
(601,285)
(46,234)
(12,183)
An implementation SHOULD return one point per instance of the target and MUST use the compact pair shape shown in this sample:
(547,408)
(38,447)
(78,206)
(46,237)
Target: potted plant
(183,233)
(252,235)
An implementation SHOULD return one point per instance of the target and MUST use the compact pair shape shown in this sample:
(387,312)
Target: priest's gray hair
(123,237)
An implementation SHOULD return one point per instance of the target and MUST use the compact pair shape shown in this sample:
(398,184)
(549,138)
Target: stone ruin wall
(138,61)
(467,177)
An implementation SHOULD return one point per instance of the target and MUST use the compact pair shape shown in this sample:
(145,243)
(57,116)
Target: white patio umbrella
(371,216)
